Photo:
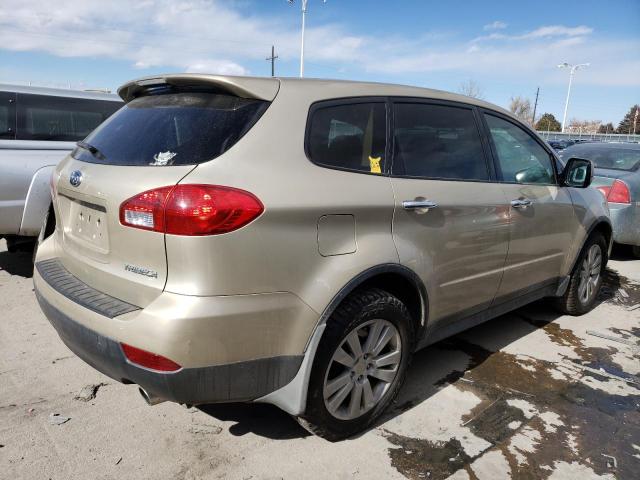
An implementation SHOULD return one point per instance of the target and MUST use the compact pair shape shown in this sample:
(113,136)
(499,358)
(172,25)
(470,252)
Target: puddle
(416,458)
(619,290)
(535,412)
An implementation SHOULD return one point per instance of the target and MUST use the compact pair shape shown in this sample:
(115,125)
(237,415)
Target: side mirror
(577,173)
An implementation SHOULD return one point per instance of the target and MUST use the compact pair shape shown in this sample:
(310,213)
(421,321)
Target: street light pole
(571,73)
(304,16)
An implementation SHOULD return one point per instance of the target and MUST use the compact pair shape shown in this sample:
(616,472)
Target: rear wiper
(91,149)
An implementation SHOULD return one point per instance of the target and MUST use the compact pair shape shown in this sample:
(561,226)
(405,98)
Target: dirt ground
(529,395)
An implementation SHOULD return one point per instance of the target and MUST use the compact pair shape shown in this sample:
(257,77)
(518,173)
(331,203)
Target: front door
(451,220)
(542,219)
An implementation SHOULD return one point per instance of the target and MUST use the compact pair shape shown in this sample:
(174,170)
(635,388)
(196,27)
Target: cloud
(227,37)
(497,25)
(194,35)
(557,31)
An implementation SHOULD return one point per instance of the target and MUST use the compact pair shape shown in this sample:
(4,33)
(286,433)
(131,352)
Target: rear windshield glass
(622,158)
(173,129)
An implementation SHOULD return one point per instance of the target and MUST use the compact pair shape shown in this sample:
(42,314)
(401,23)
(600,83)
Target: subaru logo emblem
(75,178)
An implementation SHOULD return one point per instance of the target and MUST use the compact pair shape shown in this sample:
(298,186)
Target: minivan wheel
(586,278)
(360,364)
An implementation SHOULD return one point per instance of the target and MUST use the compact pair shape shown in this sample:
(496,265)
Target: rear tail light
(191,210)
(618,192)
(149,360)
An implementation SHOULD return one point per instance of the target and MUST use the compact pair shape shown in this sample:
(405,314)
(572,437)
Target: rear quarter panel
(20,161)
(279,250)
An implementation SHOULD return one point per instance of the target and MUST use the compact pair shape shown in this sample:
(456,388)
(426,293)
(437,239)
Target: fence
(598,137)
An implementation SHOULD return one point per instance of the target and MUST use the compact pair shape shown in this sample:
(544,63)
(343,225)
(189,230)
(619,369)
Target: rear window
(348,136)
(624,158)
(183,128)
(51,118)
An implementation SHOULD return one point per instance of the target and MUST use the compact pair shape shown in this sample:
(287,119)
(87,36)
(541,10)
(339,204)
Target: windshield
(183,128)
(615,158)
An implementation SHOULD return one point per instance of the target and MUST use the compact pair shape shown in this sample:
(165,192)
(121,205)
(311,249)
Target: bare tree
(584,126)
(471,88)
(521,108)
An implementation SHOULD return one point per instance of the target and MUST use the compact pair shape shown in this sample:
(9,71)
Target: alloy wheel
(590,274)
(362,369)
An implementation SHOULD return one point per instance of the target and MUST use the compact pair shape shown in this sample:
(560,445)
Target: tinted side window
(350,136)
(7,115)
(437,141)
(520,157)
(43,117)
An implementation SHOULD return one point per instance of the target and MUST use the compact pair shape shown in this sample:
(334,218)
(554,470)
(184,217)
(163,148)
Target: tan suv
(289,241)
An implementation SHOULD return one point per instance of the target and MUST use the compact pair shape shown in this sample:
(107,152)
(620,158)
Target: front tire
(360,364)
(635,251)
(586,278)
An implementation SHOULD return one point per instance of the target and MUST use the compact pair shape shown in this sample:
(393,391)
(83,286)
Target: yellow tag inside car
(374,164)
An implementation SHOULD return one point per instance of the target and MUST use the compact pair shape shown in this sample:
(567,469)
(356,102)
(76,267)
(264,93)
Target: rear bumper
(240,381)
(231,348)
(626,223)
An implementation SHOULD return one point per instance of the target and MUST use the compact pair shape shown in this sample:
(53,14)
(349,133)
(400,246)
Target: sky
(509,48)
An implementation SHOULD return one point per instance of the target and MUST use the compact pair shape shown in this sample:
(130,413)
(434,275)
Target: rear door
(450,224)
(151,143)
(542,219)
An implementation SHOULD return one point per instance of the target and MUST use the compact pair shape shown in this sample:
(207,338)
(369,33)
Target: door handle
(419,205)
(521,203)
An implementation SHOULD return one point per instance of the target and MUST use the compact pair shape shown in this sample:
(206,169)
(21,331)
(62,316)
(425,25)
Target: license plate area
(88,225)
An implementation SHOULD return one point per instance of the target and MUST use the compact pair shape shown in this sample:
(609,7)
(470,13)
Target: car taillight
(618,192)
(191,209)
(149,360)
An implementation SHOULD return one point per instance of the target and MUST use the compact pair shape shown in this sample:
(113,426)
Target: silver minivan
(38,127)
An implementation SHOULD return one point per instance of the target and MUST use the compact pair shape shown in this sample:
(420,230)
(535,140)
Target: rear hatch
(154,141)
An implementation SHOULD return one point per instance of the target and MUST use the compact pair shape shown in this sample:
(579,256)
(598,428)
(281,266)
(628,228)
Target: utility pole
(635,121)
(535,106)
(273,60)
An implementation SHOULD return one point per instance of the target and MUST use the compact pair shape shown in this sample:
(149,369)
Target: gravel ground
(528,395)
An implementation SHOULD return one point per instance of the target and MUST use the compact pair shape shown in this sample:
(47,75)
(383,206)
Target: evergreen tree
(548,123)
(626,125)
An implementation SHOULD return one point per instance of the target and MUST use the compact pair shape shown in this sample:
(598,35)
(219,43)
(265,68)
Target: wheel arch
(600,225)
(398,280)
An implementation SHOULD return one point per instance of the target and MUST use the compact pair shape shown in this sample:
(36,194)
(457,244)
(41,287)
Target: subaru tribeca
(225,239)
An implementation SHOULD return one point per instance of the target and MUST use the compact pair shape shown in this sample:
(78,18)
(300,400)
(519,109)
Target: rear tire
(635,251)
(368,375)
(586,278)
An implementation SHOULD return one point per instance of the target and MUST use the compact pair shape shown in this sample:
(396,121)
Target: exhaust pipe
(150,398)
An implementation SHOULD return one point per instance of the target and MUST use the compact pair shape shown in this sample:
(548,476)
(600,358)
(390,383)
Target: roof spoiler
(245,87)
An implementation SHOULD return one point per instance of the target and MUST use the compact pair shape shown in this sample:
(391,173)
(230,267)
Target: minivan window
(348,136)
(7,115)
(437,141)
(52,118)
(520,157)
(183,128)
